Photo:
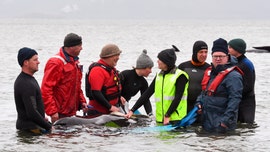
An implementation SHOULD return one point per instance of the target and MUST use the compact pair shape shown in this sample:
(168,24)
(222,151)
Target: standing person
(169,88)
(195,69)
(222,91)
(104,88)
(246,113)
(61,84)
(29,104)
(133,81)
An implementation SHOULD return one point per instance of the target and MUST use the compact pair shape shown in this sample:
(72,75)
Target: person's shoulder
(126,71)
(206,65)
(235,73)
(56,60)
(184,64)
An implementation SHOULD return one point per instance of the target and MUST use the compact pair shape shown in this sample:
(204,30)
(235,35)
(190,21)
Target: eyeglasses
(219,56)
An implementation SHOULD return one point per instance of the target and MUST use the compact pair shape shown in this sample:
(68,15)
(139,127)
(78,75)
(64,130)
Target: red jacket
(61,85)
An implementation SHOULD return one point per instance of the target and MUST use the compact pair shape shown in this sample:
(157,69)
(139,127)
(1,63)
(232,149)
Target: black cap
(198,45)
(220,45)
(25,53)
(72,40)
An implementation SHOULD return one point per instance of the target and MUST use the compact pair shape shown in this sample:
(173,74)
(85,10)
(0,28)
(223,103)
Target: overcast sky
(136,9)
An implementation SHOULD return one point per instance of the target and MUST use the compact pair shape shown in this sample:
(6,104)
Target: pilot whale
(260,49)
(100,120)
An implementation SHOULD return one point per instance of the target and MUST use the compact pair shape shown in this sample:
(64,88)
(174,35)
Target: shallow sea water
(46,36)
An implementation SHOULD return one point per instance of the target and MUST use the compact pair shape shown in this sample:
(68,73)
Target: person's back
(133,80)
(195,69)
(247,107)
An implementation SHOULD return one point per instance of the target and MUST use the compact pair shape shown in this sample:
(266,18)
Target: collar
(171,71)
(67,56)
(197,63)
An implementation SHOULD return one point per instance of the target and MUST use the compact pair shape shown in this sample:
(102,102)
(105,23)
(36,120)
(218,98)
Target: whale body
(100,120)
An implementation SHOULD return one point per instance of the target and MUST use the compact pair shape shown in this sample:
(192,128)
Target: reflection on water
(95,138)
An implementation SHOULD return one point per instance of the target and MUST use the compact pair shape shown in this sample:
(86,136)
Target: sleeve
(81,95)
(101,99)
(30,104)
(147,104)
(234,86)
(52,75)
(145,96)
(180,88)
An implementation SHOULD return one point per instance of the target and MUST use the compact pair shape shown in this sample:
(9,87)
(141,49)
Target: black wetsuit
(29,104)
(132,84)
(195,74)
(247,106)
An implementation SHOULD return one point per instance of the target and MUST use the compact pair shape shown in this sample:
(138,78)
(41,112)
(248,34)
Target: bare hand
(166,120)
(114,109)
(123,100)
(54,117)
(199,111)
(130,113)
(84,107)
(223,125)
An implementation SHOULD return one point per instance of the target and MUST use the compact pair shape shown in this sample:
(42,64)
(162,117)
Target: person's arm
(82,100)
(31,106)
(52,75)
(145,96)
(97,94)
(234,86)
(180,88)
(147,104)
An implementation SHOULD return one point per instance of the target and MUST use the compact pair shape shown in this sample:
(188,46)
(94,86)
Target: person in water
(195,69)
(27,94)
(169,88)
(104,87)
(133,80)
(247,107)
(221,91)
(61,84)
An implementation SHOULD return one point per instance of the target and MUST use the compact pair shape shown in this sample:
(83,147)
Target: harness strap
(211,90)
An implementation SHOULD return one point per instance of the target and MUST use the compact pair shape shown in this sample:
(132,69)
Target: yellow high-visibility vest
(165,93)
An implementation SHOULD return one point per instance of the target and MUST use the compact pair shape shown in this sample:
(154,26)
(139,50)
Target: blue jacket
(223,106)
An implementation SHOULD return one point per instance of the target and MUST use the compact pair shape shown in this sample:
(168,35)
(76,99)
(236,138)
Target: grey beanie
(144,61)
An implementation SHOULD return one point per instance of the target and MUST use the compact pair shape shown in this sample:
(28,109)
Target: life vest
(217,80)
(88,87)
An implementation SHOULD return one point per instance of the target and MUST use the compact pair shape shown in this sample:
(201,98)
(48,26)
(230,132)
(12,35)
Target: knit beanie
(144,61)
(25,54)
(238,45)
(198,45)
(220,45)
(168,56)
(72,40)
(109,50)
